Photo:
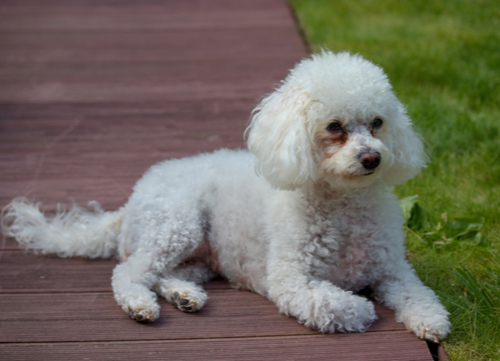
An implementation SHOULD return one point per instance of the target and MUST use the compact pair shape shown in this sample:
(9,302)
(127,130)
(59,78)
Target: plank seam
(202,338)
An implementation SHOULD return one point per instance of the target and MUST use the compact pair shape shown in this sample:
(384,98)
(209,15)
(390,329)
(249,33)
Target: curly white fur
(318,222)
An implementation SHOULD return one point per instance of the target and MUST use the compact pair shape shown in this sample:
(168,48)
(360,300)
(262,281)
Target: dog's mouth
(354,176)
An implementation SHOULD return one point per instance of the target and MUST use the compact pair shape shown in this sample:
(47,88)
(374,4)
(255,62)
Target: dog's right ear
(278,135)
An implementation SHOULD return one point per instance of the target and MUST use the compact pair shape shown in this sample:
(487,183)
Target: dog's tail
(77,232)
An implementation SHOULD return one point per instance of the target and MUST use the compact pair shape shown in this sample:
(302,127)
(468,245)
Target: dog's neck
(328,193)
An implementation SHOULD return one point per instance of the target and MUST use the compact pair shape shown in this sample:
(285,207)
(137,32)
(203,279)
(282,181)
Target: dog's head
(334,118)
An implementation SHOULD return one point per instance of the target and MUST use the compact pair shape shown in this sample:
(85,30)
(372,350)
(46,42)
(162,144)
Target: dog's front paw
(433,328)
(351,314)
(339,310)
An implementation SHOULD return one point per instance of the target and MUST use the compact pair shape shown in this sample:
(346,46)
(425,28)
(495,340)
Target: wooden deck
(92,92)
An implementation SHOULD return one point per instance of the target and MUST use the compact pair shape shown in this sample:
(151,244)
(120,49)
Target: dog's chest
(345,248)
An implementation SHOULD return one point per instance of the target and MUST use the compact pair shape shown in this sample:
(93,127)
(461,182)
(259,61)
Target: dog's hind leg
(156,238)
(134,280)
(162,247)
(132,283)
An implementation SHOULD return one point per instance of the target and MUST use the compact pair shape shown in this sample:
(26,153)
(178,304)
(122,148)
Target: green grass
(443,59)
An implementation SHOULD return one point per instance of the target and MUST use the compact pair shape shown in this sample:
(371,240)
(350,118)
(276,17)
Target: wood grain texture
(65,317)
(123,129)
(125,52)
(41,47)
(24,272)
(395,346)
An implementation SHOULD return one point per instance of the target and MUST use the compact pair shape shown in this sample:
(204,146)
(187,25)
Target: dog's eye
(377,123)
(334,127)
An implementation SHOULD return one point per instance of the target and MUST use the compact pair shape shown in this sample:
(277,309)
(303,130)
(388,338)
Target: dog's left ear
(408,151)
(278,135)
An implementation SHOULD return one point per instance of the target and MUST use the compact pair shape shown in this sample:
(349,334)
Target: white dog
(305,219)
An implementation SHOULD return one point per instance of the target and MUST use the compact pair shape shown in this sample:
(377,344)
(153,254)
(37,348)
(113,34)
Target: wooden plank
(156,46)
(201,137)
(21,272)
(228,80)
(12,113)
(55,317)
(219,71)
(8,244)
(138,90)
(138,133)
(171,5)
(111,193)
(24,272)
(87,127)
(138,18)
(104,117)
(339,347)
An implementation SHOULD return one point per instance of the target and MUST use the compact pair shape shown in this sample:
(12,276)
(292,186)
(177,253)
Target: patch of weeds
(466,277)
(447,231)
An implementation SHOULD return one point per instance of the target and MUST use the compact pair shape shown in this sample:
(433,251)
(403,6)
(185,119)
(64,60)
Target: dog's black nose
(370,160)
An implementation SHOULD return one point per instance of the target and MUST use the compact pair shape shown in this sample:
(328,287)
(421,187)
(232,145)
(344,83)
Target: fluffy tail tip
(77,232)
